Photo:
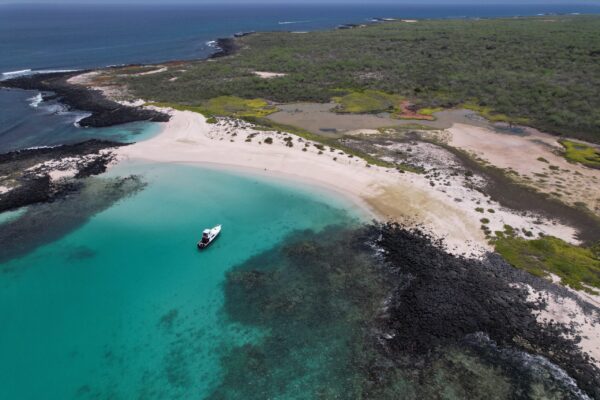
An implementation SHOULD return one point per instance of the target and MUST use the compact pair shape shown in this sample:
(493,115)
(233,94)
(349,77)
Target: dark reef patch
(80,253)
(168,319)
(45,222)
(382,312)
(30,183)
(105,112)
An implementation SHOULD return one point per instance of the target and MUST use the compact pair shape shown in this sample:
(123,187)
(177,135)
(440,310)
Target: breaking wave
(13,74)
(25,72)
(292,22)
(36,100)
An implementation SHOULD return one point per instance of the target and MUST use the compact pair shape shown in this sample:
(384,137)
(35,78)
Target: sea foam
(25,72)
(36,100)
(292,22)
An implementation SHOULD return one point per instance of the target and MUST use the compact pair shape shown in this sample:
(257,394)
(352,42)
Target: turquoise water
(125,306)
(11,215)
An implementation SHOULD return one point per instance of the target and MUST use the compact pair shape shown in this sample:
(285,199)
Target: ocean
(64,37)
(112,300)
(110,309)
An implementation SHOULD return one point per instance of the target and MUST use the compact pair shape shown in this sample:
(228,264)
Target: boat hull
(214,233)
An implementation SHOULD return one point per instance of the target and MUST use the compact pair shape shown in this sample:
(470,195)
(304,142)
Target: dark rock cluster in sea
(46,222)
(382,312)
(25,174)
(443,300)
(104,112)
(225,46)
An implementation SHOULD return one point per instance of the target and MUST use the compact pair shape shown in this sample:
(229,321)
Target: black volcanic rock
(226,46)
(444,300)
(33,184)
(104,112)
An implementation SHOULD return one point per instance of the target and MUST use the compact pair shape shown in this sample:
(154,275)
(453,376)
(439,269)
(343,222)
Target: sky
(281,2)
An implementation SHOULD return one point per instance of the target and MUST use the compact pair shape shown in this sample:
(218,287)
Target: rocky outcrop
(104,112)
(46,174)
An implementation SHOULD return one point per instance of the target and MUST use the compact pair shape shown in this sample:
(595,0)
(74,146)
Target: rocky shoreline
(394,315)
(452,301)
(47,174)
(104,112)
(225,46)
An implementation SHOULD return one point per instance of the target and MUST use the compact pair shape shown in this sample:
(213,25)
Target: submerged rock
(28,174)
(382,312)
(45,222)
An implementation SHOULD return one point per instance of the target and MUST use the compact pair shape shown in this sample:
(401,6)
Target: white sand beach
(382,192)
(566,310)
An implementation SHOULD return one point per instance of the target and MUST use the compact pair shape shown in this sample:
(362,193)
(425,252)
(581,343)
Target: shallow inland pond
(125,306)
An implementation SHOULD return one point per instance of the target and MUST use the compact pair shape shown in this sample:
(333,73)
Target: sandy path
(571,183)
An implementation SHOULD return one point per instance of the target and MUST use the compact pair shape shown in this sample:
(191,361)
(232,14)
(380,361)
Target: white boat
(208,235)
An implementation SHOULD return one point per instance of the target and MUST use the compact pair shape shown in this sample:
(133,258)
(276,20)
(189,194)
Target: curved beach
(382,192)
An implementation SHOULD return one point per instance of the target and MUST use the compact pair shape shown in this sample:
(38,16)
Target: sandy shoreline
(382,193)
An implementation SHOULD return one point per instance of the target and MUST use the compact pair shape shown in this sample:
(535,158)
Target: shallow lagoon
(125,306)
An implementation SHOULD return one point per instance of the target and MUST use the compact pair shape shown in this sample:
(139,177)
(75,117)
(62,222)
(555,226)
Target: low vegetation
(581,153)
(367,101)
(225,106)
(578,267)
(541,71)
(267,124)
(491,115)
(429,111)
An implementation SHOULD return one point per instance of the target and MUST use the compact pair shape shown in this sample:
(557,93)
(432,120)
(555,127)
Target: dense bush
(541,71)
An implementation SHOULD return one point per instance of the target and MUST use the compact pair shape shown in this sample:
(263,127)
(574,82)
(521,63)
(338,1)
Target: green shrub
(367,101)
(539,73)
(574,265)
(581,153)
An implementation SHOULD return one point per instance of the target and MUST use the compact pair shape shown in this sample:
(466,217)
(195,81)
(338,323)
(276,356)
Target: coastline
(443,286)
(382,193)
(377,191)
(104,111)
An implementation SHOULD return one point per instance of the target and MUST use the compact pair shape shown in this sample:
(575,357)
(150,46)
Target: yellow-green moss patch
(367,101)
(581,153)
(578,267)
(226,106)
(429,110)
(489,114)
